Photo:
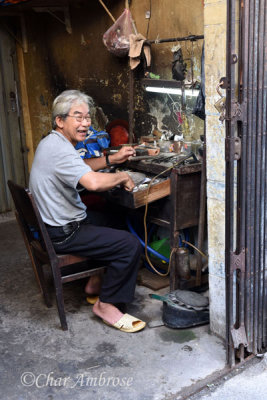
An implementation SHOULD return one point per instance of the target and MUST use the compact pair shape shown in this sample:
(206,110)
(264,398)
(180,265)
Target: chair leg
(59,295)
(43,284)
(28,247)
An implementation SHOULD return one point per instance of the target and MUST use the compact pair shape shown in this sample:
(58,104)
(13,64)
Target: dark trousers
(118,249)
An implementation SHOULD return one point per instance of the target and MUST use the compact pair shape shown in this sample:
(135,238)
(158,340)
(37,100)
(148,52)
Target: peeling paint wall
(57,61)
(215,63)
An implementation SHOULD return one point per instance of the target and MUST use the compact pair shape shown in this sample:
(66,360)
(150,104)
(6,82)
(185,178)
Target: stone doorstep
(7,216)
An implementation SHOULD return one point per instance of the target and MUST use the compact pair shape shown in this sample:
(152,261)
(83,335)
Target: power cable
(145,223)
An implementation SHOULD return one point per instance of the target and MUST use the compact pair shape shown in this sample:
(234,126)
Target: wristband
(107,161)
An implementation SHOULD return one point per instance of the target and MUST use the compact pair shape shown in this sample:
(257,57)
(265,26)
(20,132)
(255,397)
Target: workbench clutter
(141,180)
(155,180)
(169,143)
(158,188)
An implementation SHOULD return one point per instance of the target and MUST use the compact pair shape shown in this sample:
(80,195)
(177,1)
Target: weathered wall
(57,60)
(37,75)
(215,62)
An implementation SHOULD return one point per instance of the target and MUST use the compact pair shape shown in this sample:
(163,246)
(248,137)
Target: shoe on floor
(91,299)
(128,323)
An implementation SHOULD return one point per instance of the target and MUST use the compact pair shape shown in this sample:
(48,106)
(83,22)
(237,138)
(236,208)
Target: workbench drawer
(139,198)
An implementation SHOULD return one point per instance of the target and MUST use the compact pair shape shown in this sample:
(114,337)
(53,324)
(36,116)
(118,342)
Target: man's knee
(137,245)
(132,244)
(129,243)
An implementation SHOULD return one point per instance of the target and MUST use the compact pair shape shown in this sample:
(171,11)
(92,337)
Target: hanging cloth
(137,44)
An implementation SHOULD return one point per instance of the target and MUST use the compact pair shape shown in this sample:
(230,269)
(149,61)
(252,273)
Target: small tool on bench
(141,151)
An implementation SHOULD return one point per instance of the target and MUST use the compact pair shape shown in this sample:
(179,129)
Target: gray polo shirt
(56,171)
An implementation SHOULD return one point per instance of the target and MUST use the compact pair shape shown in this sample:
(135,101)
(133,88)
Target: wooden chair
(42,253)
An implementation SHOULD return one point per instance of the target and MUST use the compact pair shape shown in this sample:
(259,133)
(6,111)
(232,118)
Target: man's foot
(108,312)
(112,316)
(93,285)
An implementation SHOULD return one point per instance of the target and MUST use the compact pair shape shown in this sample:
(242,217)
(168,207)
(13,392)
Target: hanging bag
(116,38)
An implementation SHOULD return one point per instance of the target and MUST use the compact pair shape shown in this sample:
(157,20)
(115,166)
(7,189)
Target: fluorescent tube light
(169,90)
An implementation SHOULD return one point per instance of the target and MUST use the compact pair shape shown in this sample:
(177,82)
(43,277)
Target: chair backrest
(30,218)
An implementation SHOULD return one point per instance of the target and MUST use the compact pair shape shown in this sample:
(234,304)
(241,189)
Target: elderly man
(56,172)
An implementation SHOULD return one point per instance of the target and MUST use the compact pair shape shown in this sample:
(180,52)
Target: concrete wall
(215,63)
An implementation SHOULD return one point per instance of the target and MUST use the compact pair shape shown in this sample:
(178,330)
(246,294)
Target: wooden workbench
(173,203)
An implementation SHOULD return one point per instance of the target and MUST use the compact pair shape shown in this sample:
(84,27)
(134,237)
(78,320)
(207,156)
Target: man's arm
(100,182)
(117,158)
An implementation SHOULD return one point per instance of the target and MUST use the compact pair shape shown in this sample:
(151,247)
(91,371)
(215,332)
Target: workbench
(173,203)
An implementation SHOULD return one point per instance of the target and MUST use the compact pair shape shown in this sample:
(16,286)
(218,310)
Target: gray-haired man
(56,171)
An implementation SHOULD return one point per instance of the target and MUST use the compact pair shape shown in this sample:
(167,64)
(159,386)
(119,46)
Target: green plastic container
(162,246)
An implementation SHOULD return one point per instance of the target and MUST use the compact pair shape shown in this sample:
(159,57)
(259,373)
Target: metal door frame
(246,176)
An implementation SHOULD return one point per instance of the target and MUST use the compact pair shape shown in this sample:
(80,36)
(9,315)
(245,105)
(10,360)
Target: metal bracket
(239,337)
(232,149)
(236,111)
(238,261)
(223,83)
(234,58)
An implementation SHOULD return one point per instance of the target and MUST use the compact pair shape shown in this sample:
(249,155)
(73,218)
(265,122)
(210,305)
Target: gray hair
(63,103)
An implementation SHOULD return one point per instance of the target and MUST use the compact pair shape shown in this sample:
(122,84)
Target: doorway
(13,152)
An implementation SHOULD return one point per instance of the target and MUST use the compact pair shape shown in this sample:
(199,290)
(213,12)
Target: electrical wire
(145,216)
(148,22)
(150,249)
(194,247)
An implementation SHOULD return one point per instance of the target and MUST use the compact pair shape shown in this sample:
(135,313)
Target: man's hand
(128,184)
(122,155)
(102,181)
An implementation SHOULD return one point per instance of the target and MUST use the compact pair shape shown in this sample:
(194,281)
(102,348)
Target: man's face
(74,130)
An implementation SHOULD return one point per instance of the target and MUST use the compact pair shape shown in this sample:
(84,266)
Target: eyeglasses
(80,118)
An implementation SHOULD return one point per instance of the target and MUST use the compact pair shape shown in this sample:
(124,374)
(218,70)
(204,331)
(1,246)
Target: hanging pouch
(199,109)
(178,66)
(116,38)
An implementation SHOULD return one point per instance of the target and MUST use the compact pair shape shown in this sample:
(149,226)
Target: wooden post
(107,10)
(25,106)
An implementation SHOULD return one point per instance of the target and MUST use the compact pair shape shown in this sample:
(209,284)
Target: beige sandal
(92,299)
(128,323)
